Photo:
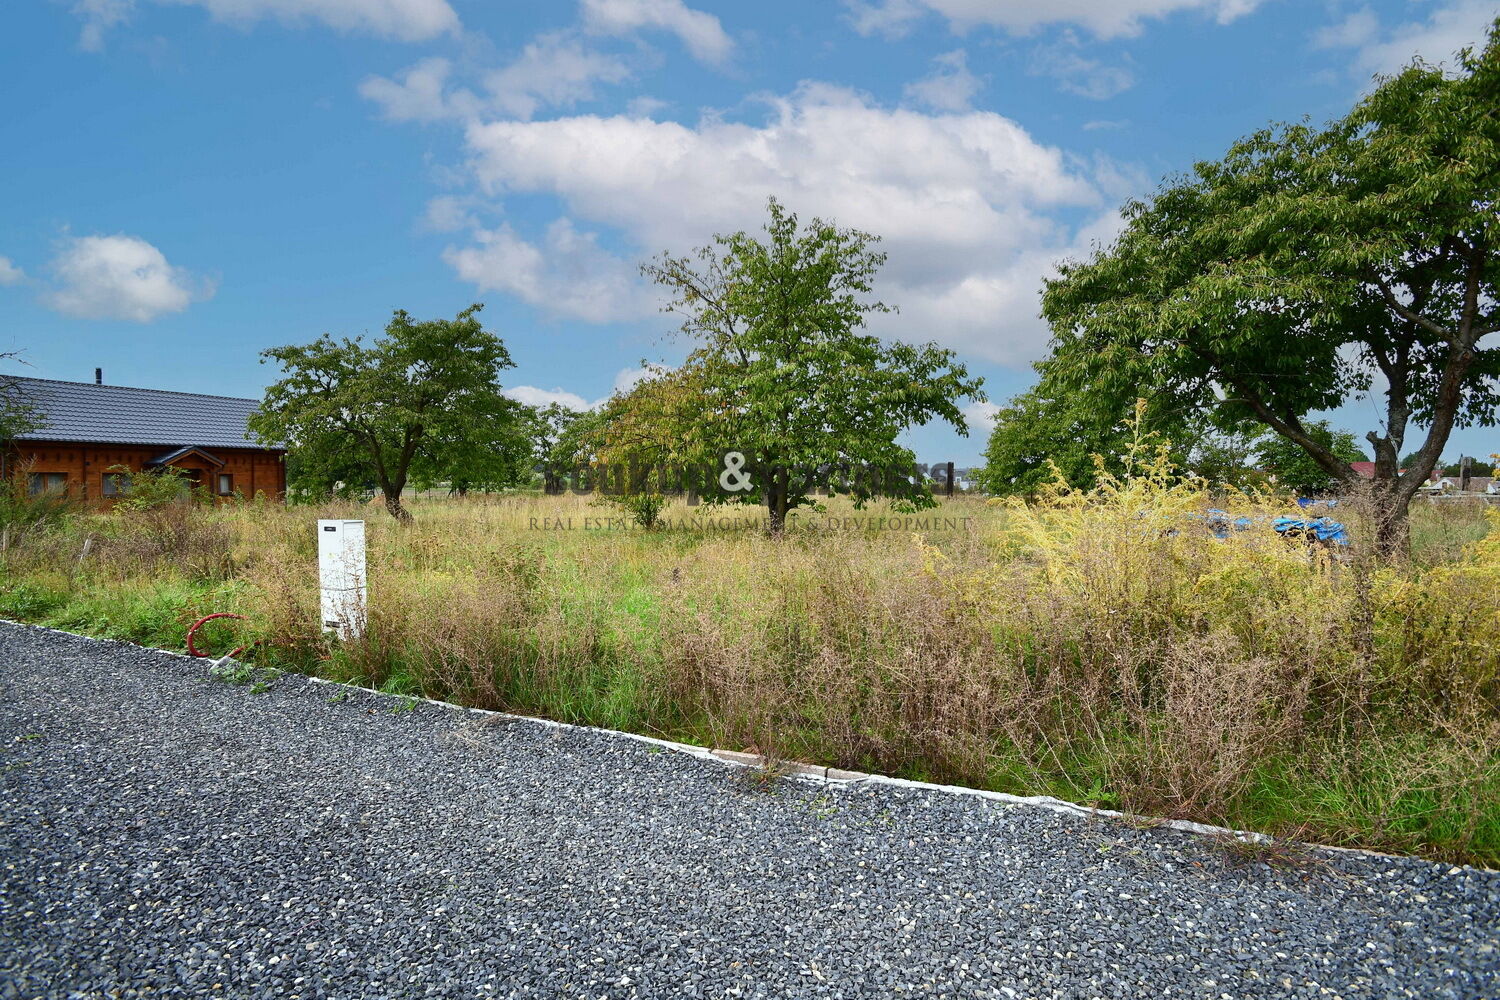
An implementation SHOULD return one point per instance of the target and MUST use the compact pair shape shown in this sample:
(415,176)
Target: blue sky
(188,182)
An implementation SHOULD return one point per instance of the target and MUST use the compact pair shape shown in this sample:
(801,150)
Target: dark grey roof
(117,414)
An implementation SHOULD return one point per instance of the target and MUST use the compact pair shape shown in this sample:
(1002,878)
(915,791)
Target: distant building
(1366,470)
(90,432)
(1439,481)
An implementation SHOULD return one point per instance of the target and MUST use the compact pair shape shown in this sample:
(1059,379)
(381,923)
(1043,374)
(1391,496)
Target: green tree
(17,414)
(1049,430)
(557,445)
(1226,457)
(1296,470)
(20,508)
(1309,266)
(1476,468)
(642,443)
(487,455)
(653,428)
(318,470)
(1035,439)
(785,374)
(418,403)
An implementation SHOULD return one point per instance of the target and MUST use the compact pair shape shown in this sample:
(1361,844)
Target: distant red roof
(1366,470)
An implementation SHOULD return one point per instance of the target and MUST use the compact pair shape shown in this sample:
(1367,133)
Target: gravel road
(164,834)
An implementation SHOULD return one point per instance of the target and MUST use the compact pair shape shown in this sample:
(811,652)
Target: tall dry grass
(1103,646)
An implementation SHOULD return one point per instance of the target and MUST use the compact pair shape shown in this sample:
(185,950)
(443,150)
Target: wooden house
(92,437)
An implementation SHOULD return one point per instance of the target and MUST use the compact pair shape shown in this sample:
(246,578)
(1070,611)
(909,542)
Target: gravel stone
(164,834)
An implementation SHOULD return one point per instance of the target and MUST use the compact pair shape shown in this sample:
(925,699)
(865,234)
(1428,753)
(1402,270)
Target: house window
(48,482)
(226,484)
(116,484)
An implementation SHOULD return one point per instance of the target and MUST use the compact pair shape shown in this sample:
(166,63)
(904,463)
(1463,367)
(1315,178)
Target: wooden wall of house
(253,469)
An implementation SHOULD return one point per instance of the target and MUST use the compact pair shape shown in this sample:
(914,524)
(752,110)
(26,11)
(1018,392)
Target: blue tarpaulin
(1220,523)
(1321,528)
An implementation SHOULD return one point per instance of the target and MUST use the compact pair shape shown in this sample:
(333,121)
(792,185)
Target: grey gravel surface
(165,834)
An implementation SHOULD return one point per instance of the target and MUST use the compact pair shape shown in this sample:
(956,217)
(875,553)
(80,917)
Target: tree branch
(1287,425)
(1408,314)
(1476,263)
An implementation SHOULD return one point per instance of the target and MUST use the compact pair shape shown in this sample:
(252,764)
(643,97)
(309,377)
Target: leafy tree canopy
(1050,431)
(420,404)
(1295,469)
(558,447)
(1306,267)
(784,372)
(664,420)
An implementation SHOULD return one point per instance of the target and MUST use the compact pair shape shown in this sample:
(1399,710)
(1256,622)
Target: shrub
(22,510)
(643,508)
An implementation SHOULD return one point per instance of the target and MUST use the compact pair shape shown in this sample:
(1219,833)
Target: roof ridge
(132,388)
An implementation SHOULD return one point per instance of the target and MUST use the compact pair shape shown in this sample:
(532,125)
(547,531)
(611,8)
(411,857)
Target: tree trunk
(393,506)
(1392,520)
(776,501)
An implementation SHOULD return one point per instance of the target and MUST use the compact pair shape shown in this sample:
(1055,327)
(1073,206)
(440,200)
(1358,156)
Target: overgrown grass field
(1103,647)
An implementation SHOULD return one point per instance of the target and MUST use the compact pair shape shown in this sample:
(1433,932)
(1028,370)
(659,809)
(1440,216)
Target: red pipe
(193,650)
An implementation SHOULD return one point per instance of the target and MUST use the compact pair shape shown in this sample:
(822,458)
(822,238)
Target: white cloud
(555,69)
(1105,123)
(1078,74)
(98,17)
(532,396)
(645,106)
(567,274)
(120,277)
(10,274)
(403,20)
(1450,27)
(702,33)
(628,378)
(950,86)
(964,202)
(1359,28)
(421,94)
(625,380)
(891,18)
(980,418)
(448,214)
(1103,18)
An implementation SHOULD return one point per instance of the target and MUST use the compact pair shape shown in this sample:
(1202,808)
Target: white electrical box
(341,575)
